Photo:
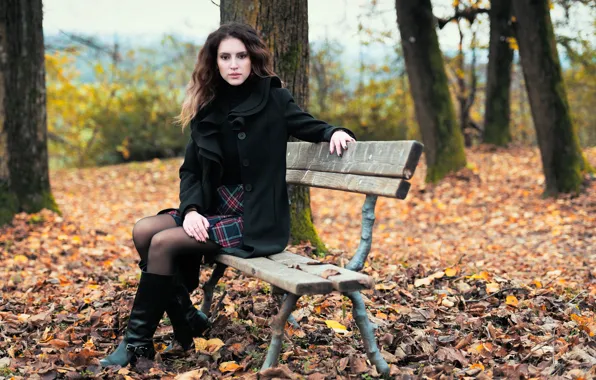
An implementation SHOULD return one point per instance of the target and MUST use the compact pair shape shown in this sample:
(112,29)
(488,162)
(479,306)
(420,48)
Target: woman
(233,194)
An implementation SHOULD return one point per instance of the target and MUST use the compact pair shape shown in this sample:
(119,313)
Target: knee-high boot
(153,294)
(187,321)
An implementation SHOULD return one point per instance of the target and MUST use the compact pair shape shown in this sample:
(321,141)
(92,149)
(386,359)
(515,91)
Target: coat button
(241,135)
(248,187)
(245,162)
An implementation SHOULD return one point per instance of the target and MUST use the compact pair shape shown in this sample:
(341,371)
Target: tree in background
(498,75)
(24,176)
(466,90)
(283,24)
(443,140)
(563,162)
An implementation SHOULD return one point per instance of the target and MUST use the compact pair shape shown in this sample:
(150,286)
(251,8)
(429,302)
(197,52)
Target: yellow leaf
(477,366)
(492,287)
(229,367)
(336,326)
(210,346)
(21,259)
(512,43)
(480,276)
(538,284)
(381,315)
(512,300)
(385,286)
(451,272)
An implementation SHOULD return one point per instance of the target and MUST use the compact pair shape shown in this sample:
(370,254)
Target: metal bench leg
(280,295)
(210,286)
(277,330)
(367,332)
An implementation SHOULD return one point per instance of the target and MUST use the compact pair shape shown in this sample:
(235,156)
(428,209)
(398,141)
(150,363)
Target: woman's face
(233,61)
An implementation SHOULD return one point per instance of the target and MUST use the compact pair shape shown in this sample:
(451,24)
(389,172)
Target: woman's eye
(242,56)
(224,57)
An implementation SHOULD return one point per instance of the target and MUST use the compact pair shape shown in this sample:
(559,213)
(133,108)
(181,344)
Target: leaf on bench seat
(329,273)
(314,263)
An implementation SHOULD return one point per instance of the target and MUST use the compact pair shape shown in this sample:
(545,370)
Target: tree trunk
(498,74)
(24,175)
(442,138)
(283,24)
(562,159)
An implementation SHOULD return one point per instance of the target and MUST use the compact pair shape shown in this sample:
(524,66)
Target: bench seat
(299,274)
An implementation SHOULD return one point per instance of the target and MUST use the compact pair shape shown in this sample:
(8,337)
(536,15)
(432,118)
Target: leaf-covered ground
(478,276)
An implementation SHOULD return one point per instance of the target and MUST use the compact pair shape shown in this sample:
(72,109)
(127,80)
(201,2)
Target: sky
(145,20)
(335,19)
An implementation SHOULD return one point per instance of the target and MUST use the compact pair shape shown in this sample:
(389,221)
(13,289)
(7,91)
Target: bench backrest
(368,167)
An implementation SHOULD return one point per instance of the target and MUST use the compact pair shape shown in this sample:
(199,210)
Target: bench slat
(288,279)
(346,281)
(388,187)
(396,159)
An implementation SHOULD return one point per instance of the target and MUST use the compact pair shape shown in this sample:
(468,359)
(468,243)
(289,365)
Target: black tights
(161,243)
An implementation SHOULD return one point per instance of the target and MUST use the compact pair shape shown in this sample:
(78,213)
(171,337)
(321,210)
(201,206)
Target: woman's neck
(234,95)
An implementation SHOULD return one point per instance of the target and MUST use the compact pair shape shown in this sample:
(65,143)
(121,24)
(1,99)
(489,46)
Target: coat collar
(206,125)
(213,115)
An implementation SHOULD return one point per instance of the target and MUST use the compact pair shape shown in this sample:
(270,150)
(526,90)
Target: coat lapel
(206,126)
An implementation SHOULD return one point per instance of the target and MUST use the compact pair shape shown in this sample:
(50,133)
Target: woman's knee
(161,245)
(144,230)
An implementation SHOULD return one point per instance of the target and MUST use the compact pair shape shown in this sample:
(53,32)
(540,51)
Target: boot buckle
(138,350)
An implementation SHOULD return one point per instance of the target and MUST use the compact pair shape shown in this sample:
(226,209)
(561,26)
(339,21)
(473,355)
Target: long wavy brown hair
(201,89)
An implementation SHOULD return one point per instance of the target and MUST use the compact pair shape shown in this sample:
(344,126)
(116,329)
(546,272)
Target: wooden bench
(371,168)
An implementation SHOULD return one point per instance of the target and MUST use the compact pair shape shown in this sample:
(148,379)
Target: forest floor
(478,276)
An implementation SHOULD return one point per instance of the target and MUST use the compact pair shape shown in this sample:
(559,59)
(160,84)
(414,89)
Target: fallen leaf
(231,366)
(329,273)
(492,287)
(208,346)
(512,300)
(59,343)
(336,326)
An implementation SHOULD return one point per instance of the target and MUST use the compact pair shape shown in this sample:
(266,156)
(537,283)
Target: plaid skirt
(226,225)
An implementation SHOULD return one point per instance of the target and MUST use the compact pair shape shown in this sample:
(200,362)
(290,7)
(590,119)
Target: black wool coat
(262,125)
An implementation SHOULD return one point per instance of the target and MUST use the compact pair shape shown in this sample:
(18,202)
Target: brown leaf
(358,365)
(59,343)
(329,273)
(343,363)
(197,374)
(281,371)
(451,355)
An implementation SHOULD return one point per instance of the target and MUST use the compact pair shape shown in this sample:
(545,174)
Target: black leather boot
(187,321)
(154,293)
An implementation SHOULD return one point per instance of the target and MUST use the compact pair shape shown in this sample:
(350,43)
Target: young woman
(233,194)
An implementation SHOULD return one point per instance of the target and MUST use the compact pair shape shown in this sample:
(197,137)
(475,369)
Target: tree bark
(563,162)
(283,24)
(442,138)
(498,74)
(24,174)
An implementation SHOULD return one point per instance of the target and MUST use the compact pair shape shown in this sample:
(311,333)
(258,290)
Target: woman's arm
(191,193)
(303,125)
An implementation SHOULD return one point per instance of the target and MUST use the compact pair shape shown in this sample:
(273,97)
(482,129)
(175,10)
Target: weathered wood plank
(388,187)
(345,281)
(289,279)
(396,159)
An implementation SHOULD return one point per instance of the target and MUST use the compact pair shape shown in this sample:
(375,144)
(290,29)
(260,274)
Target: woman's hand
(339,141)
(196,226)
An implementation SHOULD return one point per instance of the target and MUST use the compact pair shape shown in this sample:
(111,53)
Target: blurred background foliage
(108,104)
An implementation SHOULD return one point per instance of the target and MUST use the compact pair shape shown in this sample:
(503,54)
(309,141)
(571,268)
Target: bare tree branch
(468,13)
